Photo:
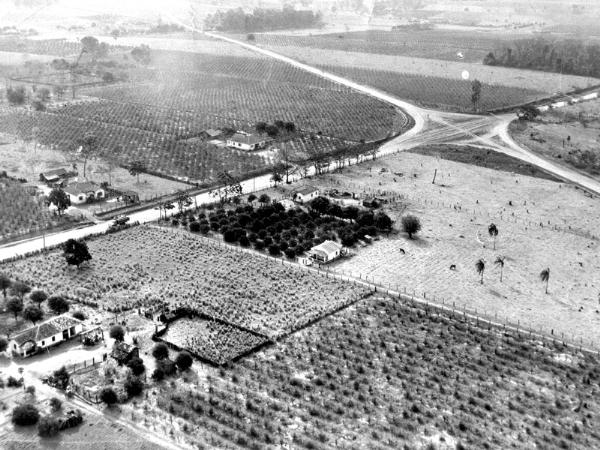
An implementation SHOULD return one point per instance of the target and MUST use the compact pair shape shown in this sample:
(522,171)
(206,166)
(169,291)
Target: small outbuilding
(83,192)
(44,335)
(325,252)
(211,133)
(305,194)
(123,352)
(56,177)
(130,197)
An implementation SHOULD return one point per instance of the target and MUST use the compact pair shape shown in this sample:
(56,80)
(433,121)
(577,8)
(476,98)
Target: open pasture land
(540,223)
(384,375)
(569,136)
(150,266)
(432,44)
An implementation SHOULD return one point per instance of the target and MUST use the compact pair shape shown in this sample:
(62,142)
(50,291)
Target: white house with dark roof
(46,334)
(325,252)
(248,142)
(305,194)
(81,192)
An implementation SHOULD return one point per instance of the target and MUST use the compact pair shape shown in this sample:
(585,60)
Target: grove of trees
(261,19)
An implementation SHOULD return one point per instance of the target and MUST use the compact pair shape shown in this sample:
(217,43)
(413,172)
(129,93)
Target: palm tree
(545,277)
(480,266)
(500,263)
(493,230)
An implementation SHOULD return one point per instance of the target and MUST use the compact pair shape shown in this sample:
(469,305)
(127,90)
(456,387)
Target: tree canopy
(60,199)
(262,19)
(76,252)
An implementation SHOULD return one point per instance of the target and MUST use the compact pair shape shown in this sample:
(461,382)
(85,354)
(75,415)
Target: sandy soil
(565,136)
(549,225)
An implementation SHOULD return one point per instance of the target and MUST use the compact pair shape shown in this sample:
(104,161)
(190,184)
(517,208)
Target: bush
(117,333)
(108,396)
(30,390)
(25,415)
(55,404)
(58,304)
(79,315)
(244,241)
(13,382)
(167,366)
(158,374)
(259,244)
(229,236)
(204,228)
(183,361)
(61,378)
(411,225)
(133,386)
(290,252)
(194,227)
(48,426)
(3,344)
(160,351)
(137,366)
(274,250)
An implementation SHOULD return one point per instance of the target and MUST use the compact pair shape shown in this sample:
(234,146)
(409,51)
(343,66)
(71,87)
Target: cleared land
(568,136)
(383,375)
(538,220)
(149,266)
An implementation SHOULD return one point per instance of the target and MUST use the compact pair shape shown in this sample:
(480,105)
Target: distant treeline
(236,20)
(573,57)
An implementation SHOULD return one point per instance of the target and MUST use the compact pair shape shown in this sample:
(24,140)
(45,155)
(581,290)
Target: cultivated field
(150,266)
(382,375)
(540,224)
(568,136)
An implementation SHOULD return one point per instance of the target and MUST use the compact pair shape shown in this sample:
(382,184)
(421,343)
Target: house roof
(249,139)
(327,247)
(81,188)
(306,190)
(45,329)
(213,133)
(54,173)
(122,350)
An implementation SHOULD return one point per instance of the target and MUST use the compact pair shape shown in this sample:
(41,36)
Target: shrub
(117,333)
(160,351)
(167,366)
(204,228)
(13,382)
(158,374)
(244,241)
(48,426)
(133,386)
(411,225)
(55,403)
(259,244)
(25,415)
(3,344)
(229,236)
(108,396)
(79,315)
(58,304)
(61,377)
(290,252)
(274,250)
(137,366)
(194,227)
(183,361)
(30,390)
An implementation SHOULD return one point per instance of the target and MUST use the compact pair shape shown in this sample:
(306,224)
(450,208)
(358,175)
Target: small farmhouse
(325,252)
(46,334)
(123,352)
(247,141)
(305,194)
(83,192)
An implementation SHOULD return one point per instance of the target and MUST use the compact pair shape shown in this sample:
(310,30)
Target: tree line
(262,19)
(574,57)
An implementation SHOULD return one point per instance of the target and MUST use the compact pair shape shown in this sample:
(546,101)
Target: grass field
(384,375)
(568,136)
(537,221)
(149,266)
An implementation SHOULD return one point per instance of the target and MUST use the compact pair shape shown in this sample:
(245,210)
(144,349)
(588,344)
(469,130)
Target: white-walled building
(325,252)
(80,192)
(305,194)
(247,141)
(46,334)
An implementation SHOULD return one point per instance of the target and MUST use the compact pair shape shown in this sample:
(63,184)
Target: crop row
(181,270)
(410,373)
(434,92)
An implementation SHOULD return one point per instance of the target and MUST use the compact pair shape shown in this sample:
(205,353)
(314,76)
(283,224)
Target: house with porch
(83,192)
(325,252)
(44,335)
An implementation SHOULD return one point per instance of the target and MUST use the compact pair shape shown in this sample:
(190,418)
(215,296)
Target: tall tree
(499,262)
(5,283)
(136,168)
(38,296)
(76,252)
(60,199)
(493,231)
(411,225)
(33,313)
(88,145)
(15,306)
(480,267)
(183,200)
(475,94)
(19,289)
(545,277)
(58,304)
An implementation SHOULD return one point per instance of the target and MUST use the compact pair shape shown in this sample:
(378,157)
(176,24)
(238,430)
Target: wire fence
(415,298)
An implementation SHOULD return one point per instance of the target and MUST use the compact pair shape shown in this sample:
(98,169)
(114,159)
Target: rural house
(325,252)
(305,194)
(123,352)
(44,335)
(83,192)
(247,141)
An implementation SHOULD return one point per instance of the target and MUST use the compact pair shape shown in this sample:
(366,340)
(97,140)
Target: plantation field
(569,136)
(432,44)
(540,223)
(150,266)
(384,375)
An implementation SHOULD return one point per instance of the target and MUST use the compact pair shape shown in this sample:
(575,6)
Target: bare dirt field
(542,224)
(569,136)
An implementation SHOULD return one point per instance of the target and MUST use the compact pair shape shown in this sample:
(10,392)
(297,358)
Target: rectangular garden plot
(211,340)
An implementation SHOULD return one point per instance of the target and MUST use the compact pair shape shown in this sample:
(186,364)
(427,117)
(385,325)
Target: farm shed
(123,352)
(325,252)
(46,334)
(130,197)
(305,194)
(212,133)
(55,176)
(82,192)
(247,141)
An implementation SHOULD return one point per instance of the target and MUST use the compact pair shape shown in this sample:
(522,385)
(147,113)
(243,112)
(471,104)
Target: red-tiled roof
(45,329)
